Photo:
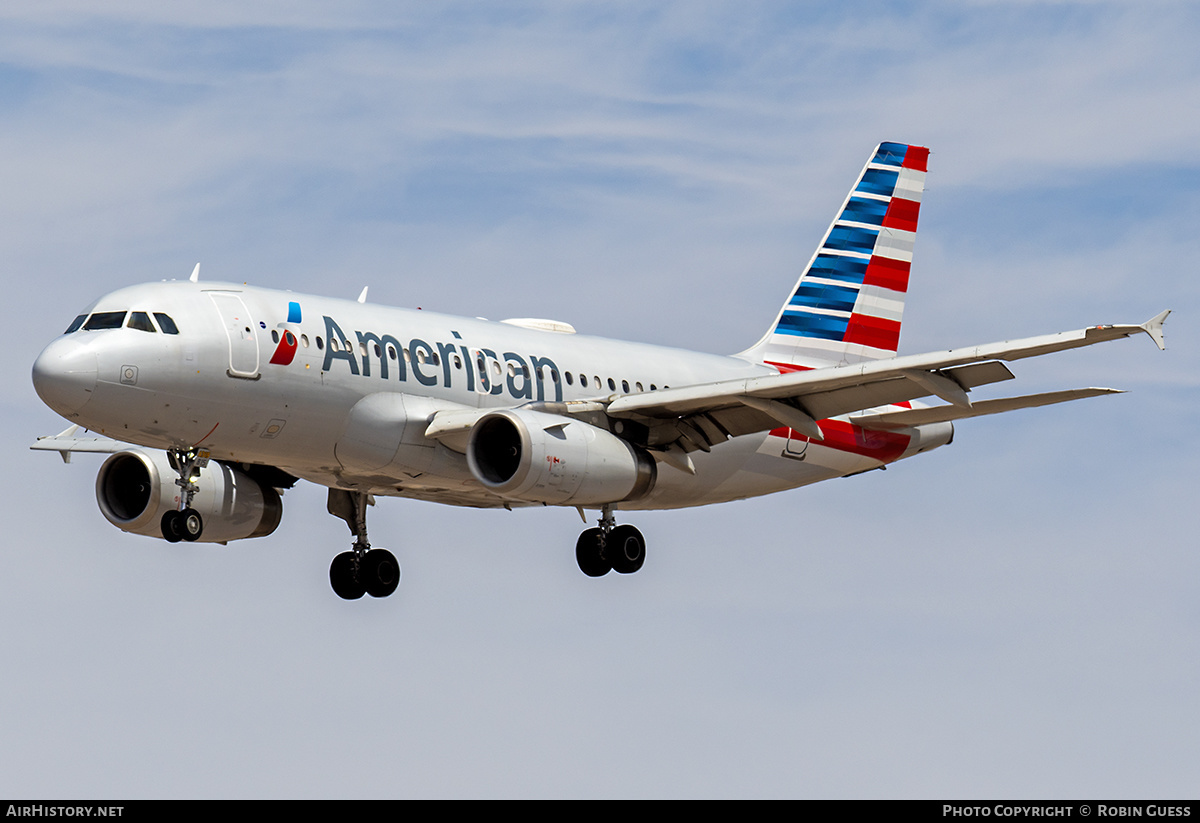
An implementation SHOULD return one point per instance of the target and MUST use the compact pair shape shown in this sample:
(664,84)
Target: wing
(679,420)
(67,442)
(707,413)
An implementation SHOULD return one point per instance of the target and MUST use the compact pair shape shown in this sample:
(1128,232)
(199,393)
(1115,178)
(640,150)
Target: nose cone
(64,375)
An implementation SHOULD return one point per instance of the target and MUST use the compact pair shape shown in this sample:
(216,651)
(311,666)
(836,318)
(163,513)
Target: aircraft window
(612,385)
(141,321)
(362,348)
(583,380)
(512,370)
(378,351)
(420,355)
(105,320)
(274,336)
(596,380)
(320,343)
(496,367)
(625,386)
(457,362)
(570,380)
(333,344)
(407,355)
(638,386)
(391,352)
(525,372)
(304,341)
(554,375)
(290,338)
(166,323)
(75,324)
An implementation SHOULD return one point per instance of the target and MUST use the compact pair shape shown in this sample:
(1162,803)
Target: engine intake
(135,488)
(544,458)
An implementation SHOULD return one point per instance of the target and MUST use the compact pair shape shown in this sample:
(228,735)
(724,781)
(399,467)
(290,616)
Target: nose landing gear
(185,523)
(362,570)
(610,548)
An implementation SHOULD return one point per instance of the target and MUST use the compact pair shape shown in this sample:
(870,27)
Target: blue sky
(1011,616)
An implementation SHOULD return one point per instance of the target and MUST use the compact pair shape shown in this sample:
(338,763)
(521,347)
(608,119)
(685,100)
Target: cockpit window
(166,323)
(75,324)
(141,321)
(105,320)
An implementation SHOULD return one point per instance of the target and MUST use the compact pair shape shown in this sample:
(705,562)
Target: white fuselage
(229,382)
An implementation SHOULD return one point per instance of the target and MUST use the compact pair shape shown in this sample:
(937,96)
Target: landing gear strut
(362,570)
(185,523)
(610,548)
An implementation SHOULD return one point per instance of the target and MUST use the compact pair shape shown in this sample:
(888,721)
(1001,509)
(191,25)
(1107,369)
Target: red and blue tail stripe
(848,304)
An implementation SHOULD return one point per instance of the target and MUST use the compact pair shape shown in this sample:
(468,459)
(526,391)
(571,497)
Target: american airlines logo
(285,352)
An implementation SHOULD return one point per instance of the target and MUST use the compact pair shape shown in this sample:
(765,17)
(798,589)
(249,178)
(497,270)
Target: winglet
(195,278)
(1154,328)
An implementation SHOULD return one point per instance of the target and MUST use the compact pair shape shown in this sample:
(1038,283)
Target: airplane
(212,399)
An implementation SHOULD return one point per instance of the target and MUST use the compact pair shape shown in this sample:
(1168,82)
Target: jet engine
(135,488)
(544,458)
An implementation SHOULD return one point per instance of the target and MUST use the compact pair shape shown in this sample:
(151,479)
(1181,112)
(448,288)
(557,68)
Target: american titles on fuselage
(431,363)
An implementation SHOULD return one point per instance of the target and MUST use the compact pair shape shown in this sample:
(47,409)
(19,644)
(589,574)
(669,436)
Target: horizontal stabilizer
(945,414)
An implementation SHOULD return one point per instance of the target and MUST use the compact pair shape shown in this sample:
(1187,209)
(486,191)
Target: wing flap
(979,374)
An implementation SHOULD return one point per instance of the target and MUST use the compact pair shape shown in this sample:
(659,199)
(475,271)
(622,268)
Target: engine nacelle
(135,488)
(545,458)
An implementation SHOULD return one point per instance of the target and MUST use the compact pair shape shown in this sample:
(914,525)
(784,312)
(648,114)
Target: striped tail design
(848,304)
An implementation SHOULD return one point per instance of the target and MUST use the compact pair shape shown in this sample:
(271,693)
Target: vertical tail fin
(848,303)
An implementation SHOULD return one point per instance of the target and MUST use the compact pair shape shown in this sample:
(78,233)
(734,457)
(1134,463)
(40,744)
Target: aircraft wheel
(172,527)
(379,572)
(191,525)
(626,549)
(344,577)
(589,553)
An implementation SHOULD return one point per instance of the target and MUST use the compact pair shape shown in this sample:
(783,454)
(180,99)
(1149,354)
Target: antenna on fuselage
(362,298)
(195,278)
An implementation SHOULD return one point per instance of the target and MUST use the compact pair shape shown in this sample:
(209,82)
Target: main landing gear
(185,523)
(610,548)
(362,570)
